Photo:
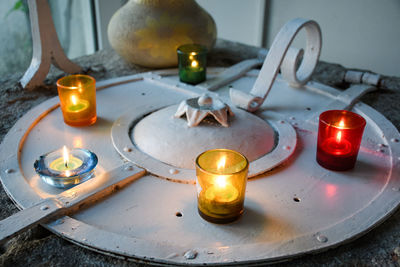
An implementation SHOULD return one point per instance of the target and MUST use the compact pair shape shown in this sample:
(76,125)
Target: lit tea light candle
(192,61)
(337,145)
(66,162)
(339,138)
(77,105)
(221,183)
(78,99)
(64,169)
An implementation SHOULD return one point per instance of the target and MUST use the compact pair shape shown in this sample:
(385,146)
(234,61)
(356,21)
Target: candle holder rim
(245,167)
(361,122)
(59,81)
(188,48)
(56,174)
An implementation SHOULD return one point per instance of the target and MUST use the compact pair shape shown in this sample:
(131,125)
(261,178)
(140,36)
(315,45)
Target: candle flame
(194,63)
(221,181)
(339,134)
(66,156)
(74,100)
(79,87)
(339,137)
(221,163)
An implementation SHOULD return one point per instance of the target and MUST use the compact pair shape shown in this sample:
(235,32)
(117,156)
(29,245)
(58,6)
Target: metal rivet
(129,168)
(396,189)
(382,145)
(292,118)
(322,238)
(380,150)
(84,239)
(395,140)
(9,171)
(127,149)
(44,207)
(282,122)
(190,254)
(294,123)
(173,171)
(59,221)
(286,147)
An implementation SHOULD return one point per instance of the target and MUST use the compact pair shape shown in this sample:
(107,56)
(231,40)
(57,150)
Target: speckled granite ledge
(39,247)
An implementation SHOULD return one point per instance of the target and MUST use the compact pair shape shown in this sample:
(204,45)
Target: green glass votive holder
(192,61)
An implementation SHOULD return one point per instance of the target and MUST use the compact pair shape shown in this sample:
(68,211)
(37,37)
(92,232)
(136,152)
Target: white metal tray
(294,209)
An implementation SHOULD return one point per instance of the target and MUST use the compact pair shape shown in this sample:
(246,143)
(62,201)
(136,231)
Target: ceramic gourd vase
(148,32)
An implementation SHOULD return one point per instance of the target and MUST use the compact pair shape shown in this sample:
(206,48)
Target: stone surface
(38,246)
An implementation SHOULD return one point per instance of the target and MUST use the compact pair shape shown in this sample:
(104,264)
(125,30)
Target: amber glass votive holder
(221,185)
(339,138)
(78,99)
(192,61)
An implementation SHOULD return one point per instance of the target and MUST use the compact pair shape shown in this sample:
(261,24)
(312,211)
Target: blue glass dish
(69,178)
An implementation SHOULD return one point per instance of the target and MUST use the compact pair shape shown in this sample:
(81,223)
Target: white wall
(105,9)
(362,34)
(237,20)
(357,34)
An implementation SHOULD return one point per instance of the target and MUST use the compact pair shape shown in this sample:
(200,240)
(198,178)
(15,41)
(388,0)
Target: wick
(66,164)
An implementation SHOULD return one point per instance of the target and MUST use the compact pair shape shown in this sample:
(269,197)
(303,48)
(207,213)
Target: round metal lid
(167,147)
(172,141)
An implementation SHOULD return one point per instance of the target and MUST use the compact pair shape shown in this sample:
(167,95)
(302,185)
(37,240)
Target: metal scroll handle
(281,56)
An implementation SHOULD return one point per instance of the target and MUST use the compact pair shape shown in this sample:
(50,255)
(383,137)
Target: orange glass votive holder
(78,99)
(221,184)
(339,138)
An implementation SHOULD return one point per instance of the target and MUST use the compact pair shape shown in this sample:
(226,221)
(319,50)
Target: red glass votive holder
(339,137)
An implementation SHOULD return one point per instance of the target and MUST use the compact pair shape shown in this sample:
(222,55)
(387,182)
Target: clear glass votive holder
(56,171)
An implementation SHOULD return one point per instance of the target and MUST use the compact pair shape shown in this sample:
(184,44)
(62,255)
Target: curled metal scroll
(281,56)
